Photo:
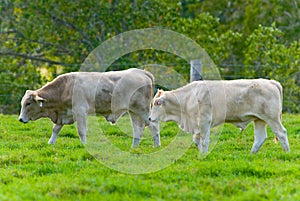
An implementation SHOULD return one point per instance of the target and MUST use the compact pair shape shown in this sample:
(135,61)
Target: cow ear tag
(39,100)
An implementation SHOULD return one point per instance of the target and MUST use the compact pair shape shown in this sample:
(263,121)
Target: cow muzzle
(22,120)
(152,120)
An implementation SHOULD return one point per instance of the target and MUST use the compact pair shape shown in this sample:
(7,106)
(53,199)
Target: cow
(201,105)
(71,97)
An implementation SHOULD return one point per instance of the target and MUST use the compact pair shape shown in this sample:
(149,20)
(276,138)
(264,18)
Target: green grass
(33,170)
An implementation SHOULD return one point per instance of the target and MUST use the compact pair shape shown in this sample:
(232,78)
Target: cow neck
(52,91)
(176,110)
(48,107)
(52,115)
(179,99)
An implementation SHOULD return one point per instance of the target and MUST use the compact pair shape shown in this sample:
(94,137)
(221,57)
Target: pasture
(33,170)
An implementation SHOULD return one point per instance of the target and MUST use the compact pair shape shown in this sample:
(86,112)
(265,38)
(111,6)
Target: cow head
(31,106)
(163,107)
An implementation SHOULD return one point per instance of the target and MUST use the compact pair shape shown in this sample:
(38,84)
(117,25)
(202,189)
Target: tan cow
(201,105)
(71,97)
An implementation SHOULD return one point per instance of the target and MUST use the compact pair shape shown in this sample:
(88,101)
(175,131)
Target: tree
(56,36)
(41,39)
(266,55)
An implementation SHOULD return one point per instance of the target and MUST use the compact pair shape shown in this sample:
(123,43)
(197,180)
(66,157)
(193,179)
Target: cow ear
(39,100)
(159,93)
(28,92)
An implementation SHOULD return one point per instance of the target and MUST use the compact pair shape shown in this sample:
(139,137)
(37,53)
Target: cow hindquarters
(55,130)
(260,135)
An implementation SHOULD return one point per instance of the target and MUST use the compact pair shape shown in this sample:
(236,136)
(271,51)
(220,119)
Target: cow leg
(281,133)
(138,126)
(55,130)
(81,127)
(203,139)
(196,139)
(154,128)
(260,135)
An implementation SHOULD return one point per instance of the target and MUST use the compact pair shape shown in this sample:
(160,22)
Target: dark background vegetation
(246,39)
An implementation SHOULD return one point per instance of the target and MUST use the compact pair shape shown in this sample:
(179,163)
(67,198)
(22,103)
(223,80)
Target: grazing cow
(201,105)
(72,96)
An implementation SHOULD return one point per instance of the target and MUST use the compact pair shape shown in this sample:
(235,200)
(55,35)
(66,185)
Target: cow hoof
(51,142)
(253,151)
(196,144)
(157,145)
(135,143)
(156,140)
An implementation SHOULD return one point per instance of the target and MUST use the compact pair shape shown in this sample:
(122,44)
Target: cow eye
(157,103)
(27,104)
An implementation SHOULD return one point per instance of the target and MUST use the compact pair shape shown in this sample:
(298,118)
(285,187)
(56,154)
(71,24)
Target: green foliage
(33,170)
(266,55)
(14,82)
(245,39)
(246,16)
(53,37)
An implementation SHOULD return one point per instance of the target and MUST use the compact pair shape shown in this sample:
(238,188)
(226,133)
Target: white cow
(201,105)
(70,97)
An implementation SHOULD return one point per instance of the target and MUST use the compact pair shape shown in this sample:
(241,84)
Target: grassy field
(33,170)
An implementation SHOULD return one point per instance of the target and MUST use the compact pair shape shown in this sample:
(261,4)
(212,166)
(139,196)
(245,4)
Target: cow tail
(279,87)
(152,80)
(281,96)
(150,76)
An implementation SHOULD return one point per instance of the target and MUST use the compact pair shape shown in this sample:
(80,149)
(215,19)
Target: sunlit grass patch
(33,170)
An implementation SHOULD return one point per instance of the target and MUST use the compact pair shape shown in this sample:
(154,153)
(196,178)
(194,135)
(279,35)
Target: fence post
(195,70)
